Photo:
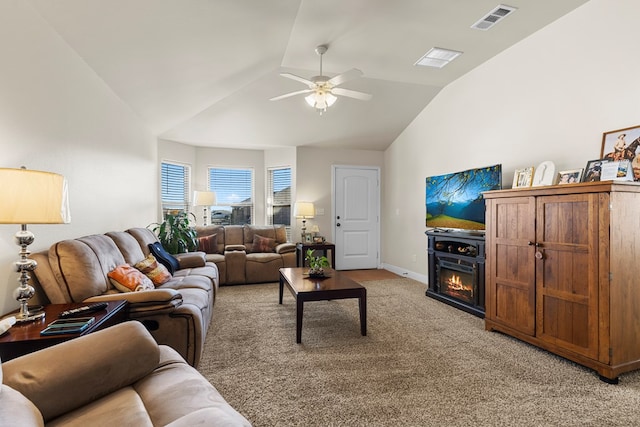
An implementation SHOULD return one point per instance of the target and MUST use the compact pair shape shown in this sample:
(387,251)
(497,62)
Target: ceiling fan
(322,89)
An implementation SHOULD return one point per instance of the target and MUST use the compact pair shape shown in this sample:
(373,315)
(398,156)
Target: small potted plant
(317,264)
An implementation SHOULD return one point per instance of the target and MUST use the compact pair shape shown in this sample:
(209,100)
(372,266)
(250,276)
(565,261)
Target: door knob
(338,225)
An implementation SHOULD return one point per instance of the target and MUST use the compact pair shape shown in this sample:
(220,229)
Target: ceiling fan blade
(351,93)
(298,78)
(287,95)
(347,75)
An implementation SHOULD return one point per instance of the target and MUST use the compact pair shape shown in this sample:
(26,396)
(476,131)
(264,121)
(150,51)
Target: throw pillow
(208,244)
(127,279)
(155,271)
(164,257)
(263,244)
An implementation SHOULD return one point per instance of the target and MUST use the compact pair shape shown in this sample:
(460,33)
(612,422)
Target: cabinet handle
(539,255)
(536,244)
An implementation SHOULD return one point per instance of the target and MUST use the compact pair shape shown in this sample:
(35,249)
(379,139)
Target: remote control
(83,310)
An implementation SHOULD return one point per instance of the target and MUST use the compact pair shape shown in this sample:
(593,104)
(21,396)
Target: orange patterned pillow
(155,271)
(127,279)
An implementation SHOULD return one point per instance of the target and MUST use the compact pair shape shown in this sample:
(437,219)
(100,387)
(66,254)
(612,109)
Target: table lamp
(206,199)
(31,197)
(304,210)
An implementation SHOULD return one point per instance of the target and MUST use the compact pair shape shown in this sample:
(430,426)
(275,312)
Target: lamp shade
(304,210)
(33,197)
(204,198)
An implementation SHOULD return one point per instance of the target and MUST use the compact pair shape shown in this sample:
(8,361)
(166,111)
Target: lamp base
(29,317)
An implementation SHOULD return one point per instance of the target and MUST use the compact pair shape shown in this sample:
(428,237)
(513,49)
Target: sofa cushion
(155,271)
(81,265)
(208,244)
(263,244)
(128,279)
(164,257)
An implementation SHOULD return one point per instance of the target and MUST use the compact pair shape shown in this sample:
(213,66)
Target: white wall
(57,115)
(550,97)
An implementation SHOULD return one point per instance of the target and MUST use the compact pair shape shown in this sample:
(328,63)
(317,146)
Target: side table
(25,338)
(301,249)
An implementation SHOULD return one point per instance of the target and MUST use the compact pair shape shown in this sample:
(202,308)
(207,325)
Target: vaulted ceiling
(201,72)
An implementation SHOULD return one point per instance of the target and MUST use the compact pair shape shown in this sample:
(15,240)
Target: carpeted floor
(422,363)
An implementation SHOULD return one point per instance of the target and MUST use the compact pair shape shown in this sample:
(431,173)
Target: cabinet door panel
(510,285)
(567,272)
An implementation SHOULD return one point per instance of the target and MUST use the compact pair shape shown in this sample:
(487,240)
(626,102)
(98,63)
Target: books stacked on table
(68,326)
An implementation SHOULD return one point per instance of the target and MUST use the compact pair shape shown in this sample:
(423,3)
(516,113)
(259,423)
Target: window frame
(270,200)
(173,205)
(220,192)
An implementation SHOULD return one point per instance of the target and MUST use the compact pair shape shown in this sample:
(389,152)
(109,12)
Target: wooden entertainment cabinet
(562,274)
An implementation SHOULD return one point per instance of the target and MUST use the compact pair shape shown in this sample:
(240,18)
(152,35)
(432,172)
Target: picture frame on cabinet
(570,176)
(620,144)
(593,170)
(523,177)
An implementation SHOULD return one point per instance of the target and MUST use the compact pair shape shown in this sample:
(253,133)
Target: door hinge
(610,276)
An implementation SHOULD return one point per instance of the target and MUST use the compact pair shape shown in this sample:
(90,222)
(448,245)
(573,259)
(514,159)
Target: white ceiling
(201,72)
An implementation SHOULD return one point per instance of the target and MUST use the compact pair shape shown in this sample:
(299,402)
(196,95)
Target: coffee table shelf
(334,286)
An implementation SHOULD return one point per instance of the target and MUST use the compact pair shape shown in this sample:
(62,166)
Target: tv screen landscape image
(454,201)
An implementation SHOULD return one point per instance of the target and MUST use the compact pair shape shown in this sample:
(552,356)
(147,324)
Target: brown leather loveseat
(176,312)
(247,253)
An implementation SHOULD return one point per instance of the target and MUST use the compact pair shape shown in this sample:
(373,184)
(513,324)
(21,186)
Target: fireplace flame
(455,283)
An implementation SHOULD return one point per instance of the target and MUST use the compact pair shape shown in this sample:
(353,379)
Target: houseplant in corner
(176,234)
(317,264)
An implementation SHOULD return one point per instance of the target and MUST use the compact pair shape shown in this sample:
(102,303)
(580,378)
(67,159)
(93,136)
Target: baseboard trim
(405,273)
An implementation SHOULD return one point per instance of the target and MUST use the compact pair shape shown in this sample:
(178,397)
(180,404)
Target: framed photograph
(593,170)
(308,238)
(620,144)
(570,177)
(523,177)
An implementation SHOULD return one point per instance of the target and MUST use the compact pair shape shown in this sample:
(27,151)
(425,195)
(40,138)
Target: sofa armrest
(284,248)
(191,259)
(153,300)
(70,375)
(235,248)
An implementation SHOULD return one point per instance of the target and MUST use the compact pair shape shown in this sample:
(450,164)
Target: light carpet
(423,363)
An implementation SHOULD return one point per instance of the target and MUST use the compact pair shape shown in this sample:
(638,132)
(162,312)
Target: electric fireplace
(456,270)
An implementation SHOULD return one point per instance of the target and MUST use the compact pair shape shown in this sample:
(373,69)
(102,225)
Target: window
(234,195)
(175,183)
(279,197)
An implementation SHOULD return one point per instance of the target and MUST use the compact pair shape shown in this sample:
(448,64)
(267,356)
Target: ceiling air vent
(492,18)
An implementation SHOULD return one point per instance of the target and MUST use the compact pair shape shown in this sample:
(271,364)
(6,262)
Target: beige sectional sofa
(177,313)
(115,377)
(247,253)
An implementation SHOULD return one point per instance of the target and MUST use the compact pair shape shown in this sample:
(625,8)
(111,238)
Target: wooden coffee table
(335,286)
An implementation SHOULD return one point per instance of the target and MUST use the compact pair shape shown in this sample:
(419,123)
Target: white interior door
(356,216)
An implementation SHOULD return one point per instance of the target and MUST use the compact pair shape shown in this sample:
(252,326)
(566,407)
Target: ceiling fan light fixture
(321,100)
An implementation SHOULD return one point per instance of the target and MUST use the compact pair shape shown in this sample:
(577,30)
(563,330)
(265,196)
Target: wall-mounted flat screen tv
(454,201)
